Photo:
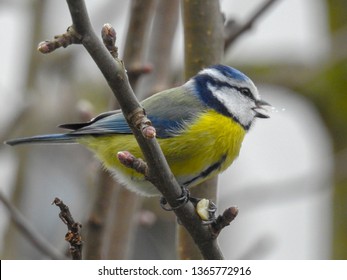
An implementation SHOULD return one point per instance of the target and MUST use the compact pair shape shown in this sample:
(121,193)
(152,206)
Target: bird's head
(229,92)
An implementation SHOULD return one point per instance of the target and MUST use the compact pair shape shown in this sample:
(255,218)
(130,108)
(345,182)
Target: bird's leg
(182,200)
(205,208)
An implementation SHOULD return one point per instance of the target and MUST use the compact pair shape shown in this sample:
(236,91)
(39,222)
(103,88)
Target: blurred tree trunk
(203,46)
(335,96)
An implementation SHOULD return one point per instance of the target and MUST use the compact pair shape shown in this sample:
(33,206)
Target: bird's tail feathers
(44,139)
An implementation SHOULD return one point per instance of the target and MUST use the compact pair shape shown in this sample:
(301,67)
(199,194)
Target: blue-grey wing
(172,110)
(169,111)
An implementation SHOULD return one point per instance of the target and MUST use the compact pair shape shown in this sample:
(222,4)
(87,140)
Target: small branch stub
(224,220)
(64,40)
(130,161)
(135,71)
(73,235)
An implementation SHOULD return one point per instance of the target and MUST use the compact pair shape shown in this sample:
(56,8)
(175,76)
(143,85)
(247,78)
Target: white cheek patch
(236,104)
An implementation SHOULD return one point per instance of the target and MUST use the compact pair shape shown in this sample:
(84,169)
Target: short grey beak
(260,104)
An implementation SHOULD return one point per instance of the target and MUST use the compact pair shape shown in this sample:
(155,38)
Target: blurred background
(289,181)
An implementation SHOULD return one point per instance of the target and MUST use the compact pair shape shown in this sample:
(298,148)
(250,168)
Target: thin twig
(233,30)
(224,220)
(29,231)
(64,40)
(73,236)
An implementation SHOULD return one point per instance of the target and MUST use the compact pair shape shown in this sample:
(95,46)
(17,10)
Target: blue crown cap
(230,72)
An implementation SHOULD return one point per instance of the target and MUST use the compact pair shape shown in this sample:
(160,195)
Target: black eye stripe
(243,90)
(247,92)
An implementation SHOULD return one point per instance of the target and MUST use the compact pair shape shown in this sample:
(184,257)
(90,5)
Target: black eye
(247,92)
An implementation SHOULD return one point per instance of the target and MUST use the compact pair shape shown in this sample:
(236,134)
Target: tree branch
(158,169)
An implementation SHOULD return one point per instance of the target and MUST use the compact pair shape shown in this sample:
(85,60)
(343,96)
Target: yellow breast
(204,149)
(208,147)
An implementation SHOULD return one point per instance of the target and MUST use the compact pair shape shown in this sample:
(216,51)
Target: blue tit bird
(200,127)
